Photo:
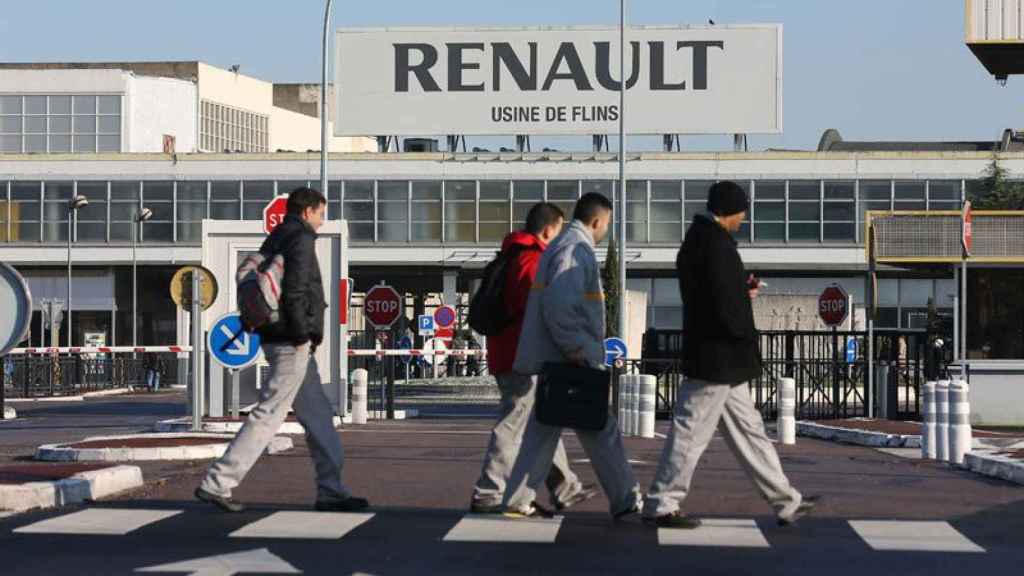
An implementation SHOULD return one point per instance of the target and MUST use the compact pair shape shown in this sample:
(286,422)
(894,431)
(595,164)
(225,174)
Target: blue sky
(874,69)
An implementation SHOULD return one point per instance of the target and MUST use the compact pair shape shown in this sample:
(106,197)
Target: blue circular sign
(405,344)
(614,350)
(230,345)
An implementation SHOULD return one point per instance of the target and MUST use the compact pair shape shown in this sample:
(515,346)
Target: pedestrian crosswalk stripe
(98,521)
(727,533)
(303,525)
(903,536)
(496,528)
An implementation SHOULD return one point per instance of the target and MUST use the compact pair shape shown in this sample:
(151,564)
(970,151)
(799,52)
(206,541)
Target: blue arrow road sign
(851,351)
(426,324)
(614,349)
(405,344)
(230,345)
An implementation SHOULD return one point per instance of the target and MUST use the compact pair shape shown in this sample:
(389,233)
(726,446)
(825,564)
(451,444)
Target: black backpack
(487,312)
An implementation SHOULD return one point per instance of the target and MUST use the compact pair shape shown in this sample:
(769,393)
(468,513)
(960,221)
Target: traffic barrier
(786,422)
(647,387)
(959,422)
(942,420)
(101,350)
(360,391)
(928,422)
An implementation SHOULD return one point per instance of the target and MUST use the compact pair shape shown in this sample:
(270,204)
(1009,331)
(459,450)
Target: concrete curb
(9,413)
(989,463)
(185,425)
(885,440)
(217,447)
(78,398)
(81,487)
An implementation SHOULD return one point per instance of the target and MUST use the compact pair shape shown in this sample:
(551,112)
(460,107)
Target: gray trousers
(701,407)
(604,448)
(517,398)
(294,379)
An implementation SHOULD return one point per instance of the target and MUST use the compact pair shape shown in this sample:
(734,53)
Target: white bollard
(959,422)
(360,389)
(628,426)
(929,427)
(942,421)
(648,388)
(623,399)
(786,421)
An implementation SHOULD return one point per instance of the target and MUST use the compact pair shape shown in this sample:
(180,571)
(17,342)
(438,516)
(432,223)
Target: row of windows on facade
(804,211)
(60,123)
(229,129)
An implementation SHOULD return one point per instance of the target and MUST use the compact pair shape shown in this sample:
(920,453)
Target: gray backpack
(260,282)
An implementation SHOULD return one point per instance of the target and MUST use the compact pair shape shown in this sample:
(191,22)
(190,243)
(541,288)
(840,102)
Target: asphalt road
(881,515)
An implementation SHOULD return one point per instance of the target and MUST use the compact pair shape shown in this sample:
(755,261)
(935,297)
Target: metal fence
(44,375)
(828,385)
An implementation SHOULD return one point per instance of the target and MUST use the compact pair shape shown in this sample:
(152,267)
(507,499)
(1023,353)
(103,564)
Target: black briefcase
(573,397)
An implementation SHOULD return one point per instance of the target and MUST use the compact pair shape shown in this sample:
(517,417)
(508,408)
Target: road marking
(99,521)
(495,528)
(303,525)
(259,561)
(722,532)
(886,535)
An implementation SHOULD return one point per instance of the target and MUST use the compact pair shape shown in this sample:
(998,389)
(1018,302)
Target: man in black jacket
(720,355)
(289,345)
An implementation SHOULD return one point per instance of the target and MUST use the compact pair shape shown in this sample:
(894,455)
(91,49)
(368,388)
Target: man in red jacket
(543,223)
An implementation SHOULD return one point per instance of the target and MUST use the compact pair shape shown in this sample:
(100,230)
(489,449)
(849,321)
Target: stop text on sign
(382,307)
(833,305)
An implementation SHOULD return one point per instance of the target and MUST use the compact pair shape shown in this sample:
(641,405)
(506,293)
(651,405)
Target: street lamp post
(323,100)
(74,205)
(622,171)
(141,216)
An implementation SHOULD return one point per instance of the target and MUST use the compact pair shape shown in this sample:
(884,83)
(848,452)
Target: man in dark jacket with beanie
(720,356)
(288,345)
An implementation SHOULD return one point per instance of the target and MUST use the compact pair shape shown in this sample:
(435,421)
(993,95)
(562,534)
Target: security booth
(984,250)
(225,245)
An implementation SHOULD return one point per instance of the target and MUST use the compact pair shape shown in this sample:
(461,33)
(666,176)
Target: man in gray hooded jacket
(565,323)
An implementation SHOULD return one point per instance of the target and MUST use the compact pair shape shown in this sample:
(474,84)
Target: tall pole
(71,214)
(623,215)
(323,101)
(135,283)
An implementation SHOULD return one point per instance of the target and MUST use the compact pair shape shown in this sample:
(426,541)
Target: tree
(610,279)
(997,191)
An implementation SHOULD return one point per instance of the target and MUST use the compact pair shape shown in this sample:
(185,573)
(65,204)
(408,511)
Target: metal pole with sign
(323,103)
(197,355)
(623,315)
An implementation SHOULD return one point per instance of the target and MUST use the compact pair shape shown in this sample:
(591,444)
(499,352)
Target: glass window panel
(225,191)
(666,190)
(190,232)
(157,232)
(10,124)
(667,232)
(109,124)
(35,105)
(333,200)
(85,124)
(943,205)
(876,190)
(257,194)
(110,104)
(358,190)
(493,212)
(563,190)
(10,104)
(158,197)
(225,211)
(804,232)
(667,212)
(910,190)
(840,190)
(426,211)
(697,190)
(769,232)
(96,211)
(603,187)
(529,191)
(768,190)
(285,187)
(36,144)
(994,314)
(56,196)
(35,124)
(426,231)
(804,190)
(392,232)
(944,190)
(494,191)
(493,231)
(124,191)
(84,143)
(392,191)
(459,191)
(60,104)
(10,144)
(85,104)
(360,232)
(770,212)
(426,191)
(839,211)
(359,211)
(192,191)
(460,211)
(25,197)
(108,144)
(60,124)
(835,232)
(910,205)
(91,232)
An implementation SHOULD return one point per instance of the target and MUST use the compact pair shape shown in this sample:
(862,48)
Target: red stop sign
(382,306)
(833,305)
(274,213)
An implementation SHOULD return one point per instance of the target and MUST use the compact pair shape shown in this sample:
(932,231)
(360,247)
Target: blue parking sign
(230,345)
(851,351)
(426,325)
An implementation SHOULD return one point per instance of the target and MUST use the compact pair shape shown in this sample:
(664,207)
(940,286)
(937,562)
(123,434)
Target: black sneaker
(619,516)
(535,510)
(225,504)
(804,509)
(586,492)
(481,508)
(350,504)
(676,520)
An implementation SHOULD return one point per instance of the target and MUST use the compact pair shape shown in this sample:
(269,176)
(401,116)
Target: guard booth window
(995,314)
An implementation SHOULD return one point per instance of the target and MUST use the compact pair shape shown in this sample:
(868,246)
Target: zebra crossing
(739,533)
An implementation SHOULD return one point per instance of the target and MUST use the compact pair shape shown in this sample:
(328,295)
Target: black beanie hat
(727,198)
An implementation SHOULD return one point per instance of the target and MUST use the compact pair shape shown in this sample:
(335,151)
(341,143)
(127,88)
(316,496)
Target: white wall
(64,81)
(158,106)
